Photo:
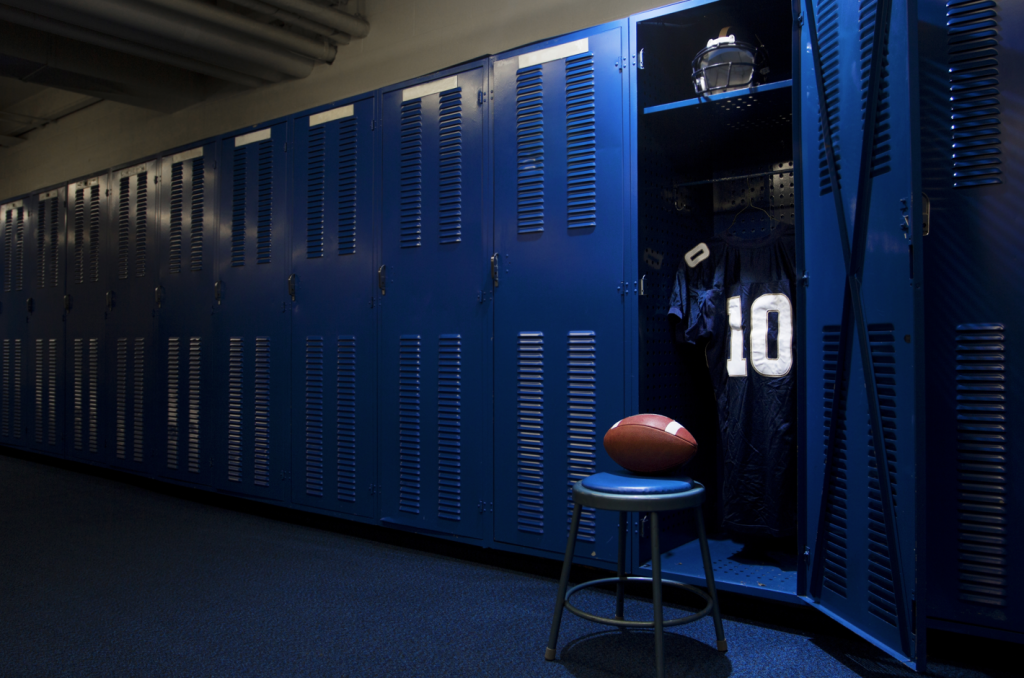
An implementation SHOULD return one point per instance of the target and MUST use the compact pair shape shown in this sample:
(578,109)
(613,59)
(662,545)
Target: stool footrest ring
(622,623)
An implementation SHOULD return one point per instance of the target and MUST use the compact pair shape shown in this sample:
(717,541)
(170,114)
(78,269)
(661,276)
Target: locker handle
(382,279)
(67,302)
(110,301)
(495,267)
(291,286)
(30,304)
(218,291)
(158,296)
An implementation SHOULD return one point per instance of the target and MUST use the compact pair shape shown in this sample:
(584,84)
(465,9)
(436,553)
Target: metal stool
(624,493)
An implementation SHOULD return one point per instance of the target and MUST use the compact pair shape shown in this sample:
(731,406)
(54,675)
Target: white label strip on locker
(252,137)
(12,205)
(333,114)
(186,155)
(88,182)
(432,87)
(131,171)
(542,56)
(48,195)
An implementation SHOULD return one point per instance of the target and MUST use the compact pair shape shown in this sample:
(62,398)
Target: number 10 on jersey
(760,310)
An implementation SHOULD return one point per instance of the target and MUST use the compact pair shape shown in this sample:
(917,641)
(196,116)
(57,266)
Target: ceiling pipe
(337,37)
(346,23)
(41,23)
(299,44)
(189,31)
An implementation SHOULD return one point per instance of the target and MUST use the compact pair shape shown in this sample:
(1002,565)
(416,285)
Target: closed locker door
(560,226)
(86,302)
(334,319)
(14,346)
(45,305)
(251,320)
(127,401)
(184,296)
(860,321)
(435,432)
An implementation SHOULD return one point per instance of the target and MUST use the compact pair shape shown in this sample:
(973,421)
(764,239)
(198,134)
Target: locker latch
(495,266)
(382,281)
(158,296)
(67,302)
(110,301)
(218,291)
(30,305)
(291,286)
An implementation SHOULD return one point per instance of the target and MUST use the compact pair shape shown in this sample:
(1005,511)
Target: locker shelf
(771,575)
(696,101)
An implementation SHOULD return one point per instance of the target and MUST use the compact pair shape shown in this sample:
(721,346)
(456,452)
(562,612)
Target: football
(649,443)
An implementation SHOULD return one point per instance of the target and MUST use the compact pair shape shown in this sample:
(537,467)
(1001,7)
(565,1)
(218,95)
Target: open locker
(722,175)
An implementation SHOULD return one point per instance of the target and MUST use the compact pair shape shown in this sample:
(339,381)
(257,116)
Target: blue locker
(251,352)
(860,318)
(14,352)
(45,243)
(86,301)
(334,365)
(434,386)
(971,84)
(560,191)
(127,402)
(182,438)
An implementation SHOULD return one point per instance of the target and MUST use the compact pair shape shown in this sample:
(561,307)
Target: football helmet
(727,64)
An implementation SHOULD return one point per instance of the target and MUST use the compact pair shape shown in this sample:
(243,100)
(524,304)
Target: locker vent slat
(261,410)
(123,227)
(94,233)
(141,222)
(94,395)
(175,223)
(122,396)
(881,151)
(316,167)
(346,417)
(16,395)
(983,465)
(530,433)
(51,428)
(411,168)
(348,179)
(8,249)
(530,149)
(315,416)
(79,402)
(828,45)
(449,427)
(582,429)
(138,392)
(238,191)
(409,482)
(5,415)
(195,389)
(173,409)
(54,250)
(973,46)
(450,179)
(581,142)
(198,208)
(40,388)
(265,202)
(79,275)
(834,567)
(881,594)
(41,249)
(236,346)
(19,249)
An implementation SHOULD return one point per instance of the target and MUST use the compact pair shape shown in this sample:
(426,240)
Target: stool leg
(620,588)
(709,574)
(659,641)
(563,583)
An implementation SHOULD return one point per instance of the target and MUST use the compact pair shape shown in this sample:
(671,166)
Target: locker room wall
(407,39)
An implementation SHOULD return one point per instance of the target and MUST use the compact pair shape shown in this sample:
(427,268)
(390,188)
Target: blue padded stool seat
(627,492)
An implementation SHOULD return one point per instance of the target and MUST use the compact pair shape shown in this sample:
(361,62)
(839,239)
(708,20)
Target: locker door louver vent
(265,202)
(315,416)
(530,432)
(41,250)
(51,428)
(974,91)
(582,433)
(122,387)
(316,166)
(195,385)
(346,417)
(53,256)
(174,228)
(86,394)
(16,395)
(449,427)
(173,410)
(881,148)
(236,356)
(261,410)
(198,206)
(881,595)
(530,149)
(348,179)
(40,388)
(8,249)
(94,395)
(238,191)
(409,423)
(982,462)
(123,227)
(78,415)
(834,569)
(94,233)
(581,147)
(828,41)
(5,415)
(138,392)
(450,121)
(411,168)
(19,249)
(141,222)
(79,276)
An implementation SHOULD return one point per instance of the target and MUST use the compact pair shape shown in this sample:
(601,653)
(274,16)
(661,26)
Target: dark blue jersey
(739,300)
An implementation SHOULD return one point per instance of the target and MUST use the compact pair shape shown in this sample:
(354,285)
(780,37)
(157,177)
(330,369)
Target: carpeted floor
(104,575)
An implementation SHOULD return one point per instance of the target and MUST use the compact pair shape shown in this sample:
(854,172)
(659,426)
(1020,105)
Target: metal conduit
(345,23)
(337,37)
